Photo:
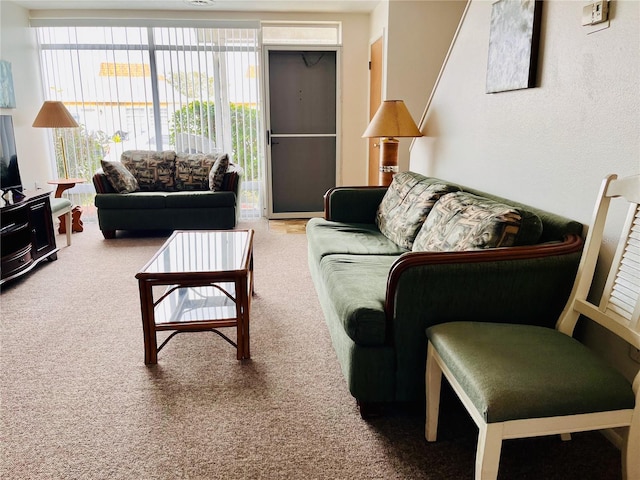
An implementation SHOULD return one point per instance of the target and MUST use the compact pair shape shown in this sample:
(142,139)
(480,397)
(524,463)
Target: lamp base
(388,160)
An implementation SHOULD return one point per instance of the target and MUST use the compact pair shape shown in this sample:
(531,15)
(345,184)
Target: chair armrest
(353,204)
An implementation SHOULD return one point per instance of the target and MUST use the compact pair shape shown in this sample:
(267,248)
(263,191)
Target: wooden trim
(571,244)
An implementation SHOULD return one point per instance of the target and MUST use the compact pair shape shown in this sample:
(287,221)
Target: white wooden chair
(523,381)
(62,207)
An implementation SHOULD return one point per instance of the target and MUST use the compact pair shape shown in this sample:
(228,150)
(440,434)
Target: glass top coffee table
(203,280)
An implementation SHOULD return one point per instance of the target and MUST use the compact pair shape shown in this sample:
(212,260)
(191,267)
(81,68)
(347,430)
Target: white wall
(17,45)
(548,146)
(378,20)
(419,36)
(33,144)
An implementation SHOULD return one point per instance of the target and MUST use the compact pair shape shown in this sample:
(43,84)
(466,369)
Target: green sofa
(166,191)
(379,294)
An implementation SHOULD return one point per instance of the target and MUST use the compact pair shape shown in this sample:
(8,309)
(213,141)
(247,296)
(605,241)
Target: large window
(190,89)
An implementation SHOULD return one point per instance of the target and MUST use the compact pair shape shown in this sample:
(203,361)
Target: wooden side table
(62,185)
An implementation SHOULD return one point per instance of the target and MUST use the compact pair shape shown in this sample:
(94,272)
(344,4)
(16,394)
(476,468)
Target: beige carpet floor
(77,401)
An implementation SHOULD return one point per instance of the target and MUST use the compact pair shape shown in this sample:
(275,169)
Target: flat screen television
(9,172)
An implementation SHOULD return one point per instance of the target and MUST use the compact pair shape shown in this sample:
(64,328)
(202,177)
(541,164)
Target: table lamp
(54,114)
(390,121)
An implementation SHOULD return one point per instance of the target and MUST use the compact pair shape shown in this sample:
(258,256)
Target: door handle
(269,142)
(376,145)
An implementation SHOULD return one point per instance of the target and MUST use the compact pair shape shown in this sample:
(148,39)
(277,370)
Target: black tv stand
(27,236)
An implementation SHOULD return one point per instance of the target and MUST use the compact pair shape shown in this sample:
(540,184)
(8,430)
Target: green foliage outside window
(84,151)
(198,118)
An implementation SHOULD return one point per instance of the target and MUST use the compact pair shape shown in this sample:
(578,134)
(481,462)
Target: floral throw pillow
(192,170)
(154,171)
(405,206)
(462,221)
(121,179)
(216,175)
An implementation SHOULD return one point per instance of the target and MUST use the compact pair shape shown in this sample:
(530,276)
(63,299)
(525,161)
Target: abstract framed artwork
(513,45)
(7,95)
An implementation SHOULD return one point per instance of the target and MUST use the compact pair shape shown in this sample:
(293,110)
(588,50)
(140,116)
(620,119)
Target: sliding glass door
(190,89)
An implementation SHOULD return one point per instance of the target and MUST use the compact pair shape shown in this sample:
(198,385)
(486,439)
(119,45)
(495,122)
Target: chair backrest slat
(619,306)
(622,290)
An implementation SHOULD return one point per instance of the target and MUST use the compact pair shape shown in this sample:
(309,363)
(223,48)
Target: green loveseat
(378,296)
(166,191)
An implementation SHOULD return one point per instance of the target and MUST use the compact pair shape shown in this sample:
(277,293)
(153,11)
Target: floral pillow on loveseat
(200,171)
(166,171)
(154,171)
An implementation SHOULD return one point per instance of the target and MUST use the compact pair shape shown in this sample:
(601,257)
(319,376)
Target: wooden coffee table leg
(239,320)
(148,323)
(242,318)
(243,300)
(246,308)
(248,290)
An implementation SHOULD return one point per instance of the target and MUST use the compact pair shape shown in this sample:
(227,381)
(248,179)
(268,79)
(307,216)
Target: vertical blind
(189,89)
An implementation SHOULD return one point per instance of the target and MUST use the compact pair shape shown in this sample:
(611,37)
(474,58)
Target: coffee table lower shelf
(205,308)
(196,309)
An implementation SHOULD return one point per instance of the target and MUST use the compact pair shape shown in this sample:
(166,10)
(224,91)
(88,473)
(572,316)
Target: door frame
(267,123)
(375,97)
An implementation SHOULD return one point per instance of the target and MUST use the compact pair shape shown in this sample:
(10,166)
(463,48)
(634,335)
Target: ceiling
(343,6)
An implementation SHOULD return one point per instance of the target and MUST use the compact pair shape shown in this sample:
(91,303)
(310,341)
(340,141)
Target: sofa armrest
(101,182)
(353,204)
(526,275)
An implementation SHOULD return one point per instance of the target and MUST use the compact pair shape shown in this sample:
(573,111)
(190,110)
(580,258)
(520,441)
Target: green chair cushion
(513,372)
(58,204)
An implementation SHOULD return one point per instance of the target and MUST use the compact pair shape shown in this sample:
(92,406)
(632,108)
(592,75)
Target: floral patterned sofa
(388,263)
(151,190)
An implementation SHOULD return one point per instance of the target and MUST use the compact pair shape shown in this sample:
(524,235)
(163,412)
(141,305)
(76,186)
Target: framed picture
(7,96)
(513,45)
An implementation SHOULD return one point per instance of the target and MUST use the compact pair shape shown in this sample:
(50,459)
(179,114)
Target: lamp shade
(392,120)
(54,115)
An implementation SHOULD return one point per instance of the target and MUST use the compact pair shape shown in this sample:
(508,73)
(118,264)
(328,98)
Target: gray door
(301,129)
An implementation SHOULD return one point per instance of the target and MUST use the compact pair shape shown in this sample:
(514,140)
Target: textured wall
(548,146)
(418,37)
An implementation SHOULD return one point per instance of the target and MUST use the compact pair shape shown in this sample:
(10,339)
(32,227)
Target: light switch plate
(595,13)
(586,14)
